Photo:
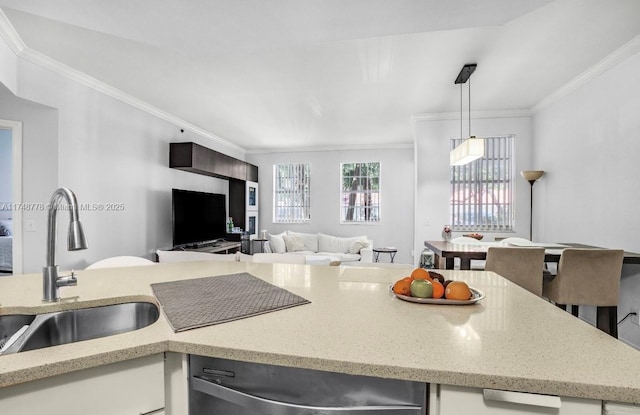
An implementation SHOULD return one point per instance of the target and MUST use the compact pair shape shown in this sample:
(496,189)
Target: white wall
(589,144)
(40,168)
(6,173)
(105,151)
(433,172)
(396,187)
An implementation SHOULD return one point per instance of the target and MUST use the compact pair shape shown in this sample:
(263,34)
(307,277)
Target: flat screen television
(198,217)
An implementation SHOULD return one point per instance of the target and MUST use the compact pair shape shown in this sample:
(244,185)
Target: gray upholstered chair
(522,266)
(589,277)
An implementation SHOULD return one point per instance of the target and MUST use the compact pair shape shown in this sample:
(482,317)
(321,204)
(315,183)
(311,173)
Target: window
(482,191)
(360,193)
(291,193)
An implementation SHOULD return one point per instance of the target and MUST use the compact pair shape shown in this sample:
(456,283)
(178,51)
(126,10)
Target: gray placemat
(189,304)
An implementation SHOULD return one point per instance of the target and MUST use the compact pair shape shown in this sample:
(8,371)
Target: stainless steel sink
(11,323)
(63,327)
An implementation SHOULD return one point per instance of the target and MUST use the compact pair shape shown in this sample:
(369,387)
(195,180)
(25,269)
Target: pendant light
(472,148)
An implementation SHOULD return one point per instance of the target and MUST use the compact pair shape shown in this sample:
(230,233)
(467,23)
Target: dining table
(445,252)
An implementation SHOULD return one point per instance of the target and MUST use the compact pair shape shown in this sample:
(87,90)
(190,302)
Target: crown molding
(365,147)
(518,113)
(12,38)
(619,55)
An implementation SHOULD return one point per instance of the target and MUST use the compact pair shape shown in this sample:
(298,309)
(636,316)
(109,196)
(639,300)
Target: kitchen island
(510,340)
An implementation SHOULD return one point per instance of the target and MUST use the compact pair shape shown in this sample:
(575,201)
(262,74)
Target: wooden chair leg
(607,320)
(575,310)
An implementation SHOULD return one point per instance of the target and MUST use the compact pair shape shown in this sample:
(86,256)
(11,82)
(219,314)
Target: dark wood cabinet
(252,173)
(195,158)
(237,202)
(242,176)
(243,205)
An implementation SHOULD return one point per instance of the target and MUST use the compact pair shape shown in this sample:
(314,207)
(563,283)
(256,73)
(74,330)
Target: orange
(457,290)
(420,274)
(438,289)
(402,287)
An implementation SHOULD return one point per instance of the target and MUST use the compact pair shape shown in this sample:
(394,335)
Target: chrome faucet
(76,241)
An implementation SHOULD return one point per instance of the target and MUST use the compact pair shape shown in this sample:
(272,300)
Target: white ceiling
(324,73)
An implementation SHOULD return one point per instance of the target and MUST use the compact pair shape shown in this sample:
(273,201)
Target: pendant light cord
(461,116)
(469,107)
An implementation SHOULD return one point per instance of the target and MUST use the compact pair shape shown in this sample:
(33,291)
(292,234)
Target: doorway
(11,189)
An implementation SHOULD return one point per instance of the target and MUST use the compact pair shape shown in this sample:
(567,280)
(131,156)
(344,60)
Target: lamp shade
(532,175)
(469,150)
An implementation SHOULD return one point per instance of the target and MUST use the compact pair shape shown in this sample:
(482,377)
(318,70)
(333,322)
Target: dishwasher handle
(533,399)
(271,407)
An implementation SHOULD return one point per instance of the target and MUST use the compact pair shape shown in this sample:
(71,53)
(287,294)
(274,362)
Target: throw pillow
(293,243)
(310,240)
(329,243)
(277,243)
(356,246)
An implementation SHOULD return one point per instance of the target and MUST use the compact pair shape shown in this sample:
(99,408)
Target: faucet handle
(68,280)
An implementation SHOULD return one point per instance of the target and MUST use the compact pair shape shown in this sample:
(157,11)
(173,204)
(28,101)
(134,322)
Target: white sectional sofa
(317,247)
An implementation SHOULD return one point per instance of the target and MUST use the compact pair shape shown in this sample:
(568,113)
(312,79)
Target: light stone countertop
(511,340)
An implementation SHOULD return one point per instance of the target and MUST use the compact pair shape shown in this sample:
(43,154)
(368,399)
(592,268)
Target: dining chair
(589,277)
(120,261)
(465,240)
(522,266)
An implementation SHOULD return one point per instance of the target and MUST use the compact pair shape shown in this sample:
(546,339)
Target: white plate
(476,295)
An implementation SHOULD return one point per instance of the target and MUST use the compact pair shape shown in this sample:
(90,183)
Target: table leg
(450,262)
(393,255)
(465,263)
(375,256)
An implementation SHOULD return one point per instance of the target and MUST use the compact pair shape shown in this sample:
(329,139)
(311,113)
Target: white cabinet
(131,387)
(455,400)
(176,383)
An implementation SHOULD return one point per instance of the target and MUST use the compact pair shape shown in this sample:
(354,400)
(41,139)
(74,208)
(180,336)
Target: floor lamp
(531,176)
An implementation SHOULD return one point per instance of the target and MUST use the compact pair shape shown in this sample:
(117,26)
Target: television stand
(221,247)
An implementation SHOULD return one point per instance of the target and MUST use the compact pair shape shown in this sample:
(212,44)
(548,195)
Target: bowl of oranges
(429,287)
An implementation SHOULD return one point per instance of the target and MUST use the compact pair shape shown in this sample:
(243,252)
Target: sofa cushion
(316,259)
(277,243)
(310,240)
(341,256)
(349,257)
(293,243)
(328,243)
(357,245)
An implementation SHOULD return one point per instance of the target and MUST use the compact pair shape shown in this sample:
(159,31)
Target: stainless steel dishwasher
(226,387)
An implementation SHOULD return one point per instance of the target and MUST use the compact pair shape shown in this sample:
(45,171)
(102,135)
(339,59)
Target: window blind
(291,193)
(482,191)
